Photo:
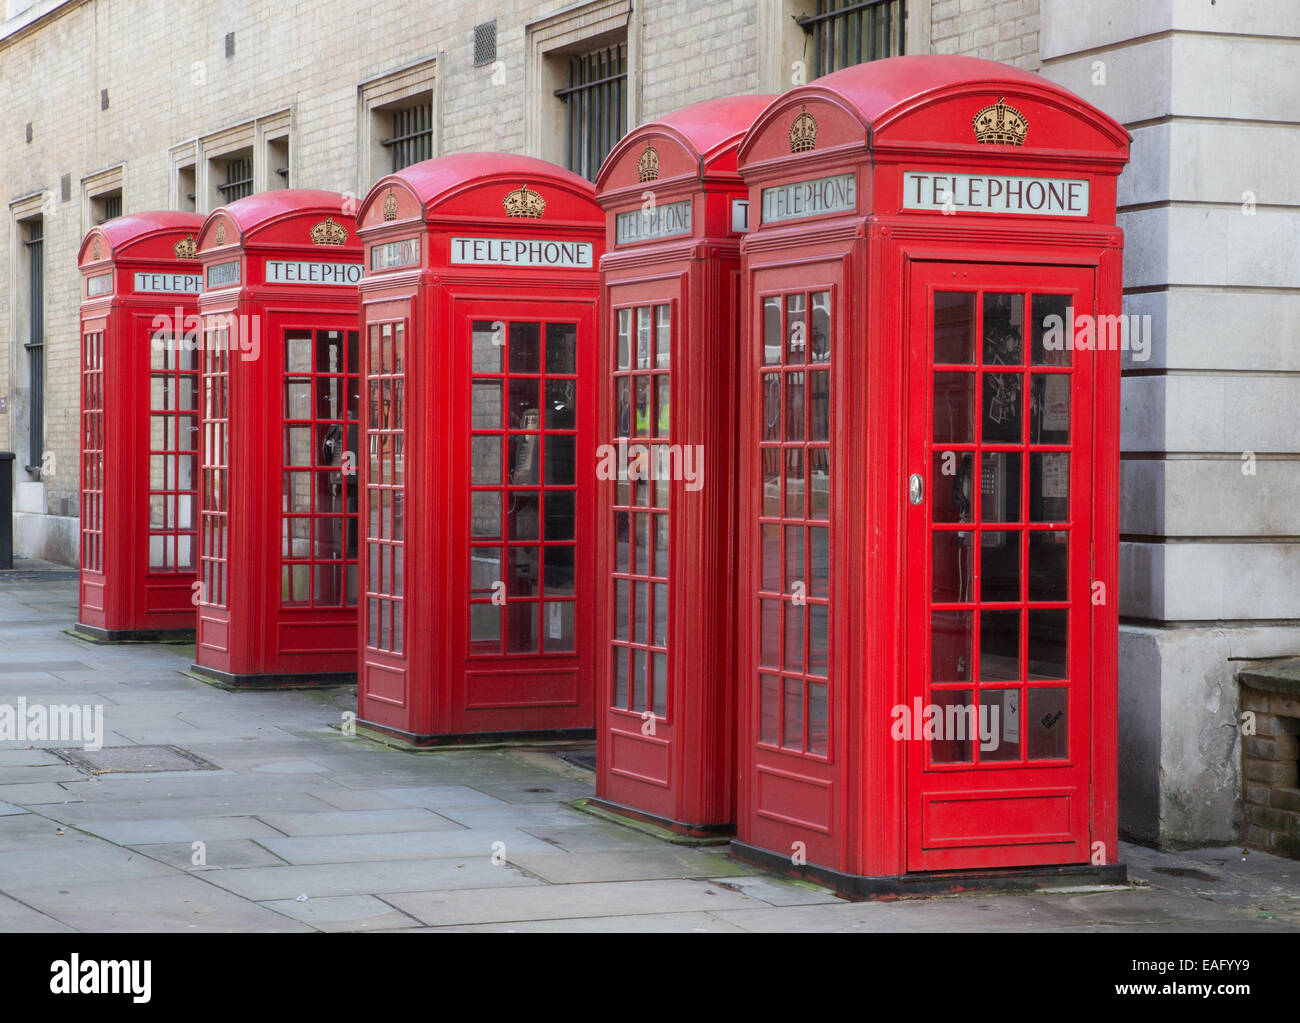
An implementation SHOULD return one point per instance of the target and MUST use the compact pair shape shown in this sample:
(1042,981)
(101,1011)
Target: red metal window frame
(214,536)
(321,570)
(642,515)
(793,598)
(977,532)
(92,459)
(173,449)
(506,587)
(386,487)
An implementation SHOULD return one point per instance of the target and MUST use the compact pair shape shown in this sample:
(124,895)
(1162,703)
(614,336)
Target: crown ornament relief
(999,124)
(94,250)
(186,248)
(647,167)
(328,232)
(803,133)
(523,203)
(219,235)
(390,206)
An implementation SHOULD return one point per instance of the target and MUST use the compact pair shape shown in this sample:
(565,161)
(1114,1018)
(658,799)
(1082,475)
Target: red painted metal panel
(1019,214)
(138,411)
(479,609)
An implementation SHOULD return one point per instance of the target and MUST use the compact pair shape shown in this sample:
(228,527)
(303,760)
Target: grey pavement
(304,828)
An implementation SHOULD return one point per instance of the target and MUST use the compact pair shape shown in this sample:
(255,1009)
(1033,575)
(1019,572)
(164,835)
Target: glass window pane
(661,545)
(560,468)
(524,408)
(485,513)
(951,569)
(1049,565)
(1048,719)
(663,336)
(796,329)
(662,405)
(818,639)
(794,614)
(622,591)
(484,569)
(559,515)
(819,562)
(643,352)
(769,631)
(623,407)
(956,727)
(771,482)
(770,559)
(659,684)
(819,483)
(794,485)
(620,676)
(769,709)
(999,724)
(561,347)
(561,404)
(1002,394)
(819,398)
(1052,331)
(660,637)
(794,566)
(792,725)
(999,646)
(640,612)
(772,330)
(1004,329)
(485,624)
(521,627)
(557,632)
(487,341)
(1050,409)
(954,327)
(639,667)
(624,358)
(1049,486)
(1048,643)
(954,399)
(821,327)
(485,459)
(525,348)
(1000,566)
(818,719)
(559,571)
(950,646)
(485,405)
(772,406)
(794,406)
(1000,486)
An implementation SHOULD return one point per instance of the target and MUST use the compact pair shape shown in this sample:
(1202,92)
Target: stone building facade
(121,105)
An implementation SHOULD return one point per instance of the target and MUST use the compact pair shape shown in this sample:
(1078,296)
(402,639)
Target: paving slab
(224,855)
(566,868)
(435,797)
(178,902)
(554,902)
(15,916)
(343,913)
(8,809)
(779,891)
(38,793)
(79,859)
(358,822)
(266,884)
(665,923)
(406,845)
(194,829)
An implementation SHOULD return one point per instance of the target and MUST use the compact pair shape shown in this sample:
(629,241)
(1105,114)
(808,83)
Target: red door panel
(998,659)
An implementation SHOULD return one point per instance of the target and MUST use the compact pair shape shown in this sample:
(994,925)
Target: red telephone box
(929,478)
(665,522)
(139,427)
(479,313)
(281,407)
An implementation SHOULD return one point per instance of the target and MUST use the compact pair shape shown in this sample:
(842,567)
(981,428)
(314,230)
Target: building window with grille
(842,33)
(411,138)
(106,207)
(33,238)
(595,107)
(236,176)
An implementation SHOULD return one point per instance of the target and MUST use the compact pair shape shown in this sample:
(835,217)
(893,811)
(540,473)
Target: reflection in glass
(643,337)
(954,400)
(1000,486)
(487,340)
(772,330)
(1004,329)
(1000,566)
(999,724)
(525,348)
(955,726)
(557,633)
(1049,486)
(954,327)
(821,327)
(792,729)
(999,646)
(1048,565)
(1048,643)
(1002,406)
(1051,329)
(620,676)
(796,329)
(1048,720)
(561,347)
(1050,409)
(794,637)
(950,646)
(769,710)
(951,567)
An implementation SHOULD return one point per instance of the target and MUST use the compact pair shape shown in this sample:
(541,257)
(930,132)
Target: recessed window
(277,162)
(410,137)
(842,33)
(234,176)
(595,103)
(186,189)
(106,206)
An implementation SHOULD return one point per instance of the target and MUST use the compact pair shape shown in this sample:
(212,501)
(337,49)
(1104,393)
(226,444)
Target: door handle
(915,488)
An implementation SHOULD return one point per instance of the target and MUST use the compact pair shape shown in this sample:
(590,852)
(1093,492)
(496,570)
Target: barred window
(848,32)
(412,137)
(239,179)
(596,102)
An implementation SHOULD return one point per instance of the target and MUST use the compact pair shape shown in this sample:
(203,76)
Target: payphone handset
(525,468)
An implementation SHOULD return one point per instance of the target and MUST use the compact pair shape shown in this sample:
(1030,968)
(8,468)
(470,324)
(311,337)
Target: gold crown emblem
(186,248)
(94,250)
(647,168)
(803,133)
(219,235)
(523,203)
(327,232)
(1001,124)
(390,206)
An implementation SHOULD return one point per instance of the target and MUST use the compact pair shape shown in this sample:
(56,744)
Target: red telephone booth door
(527,579)
(999,526)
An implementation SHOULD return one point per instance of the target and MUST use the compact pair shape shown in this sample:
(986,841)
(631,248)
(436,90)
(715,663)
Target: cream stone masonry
(1210,206)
